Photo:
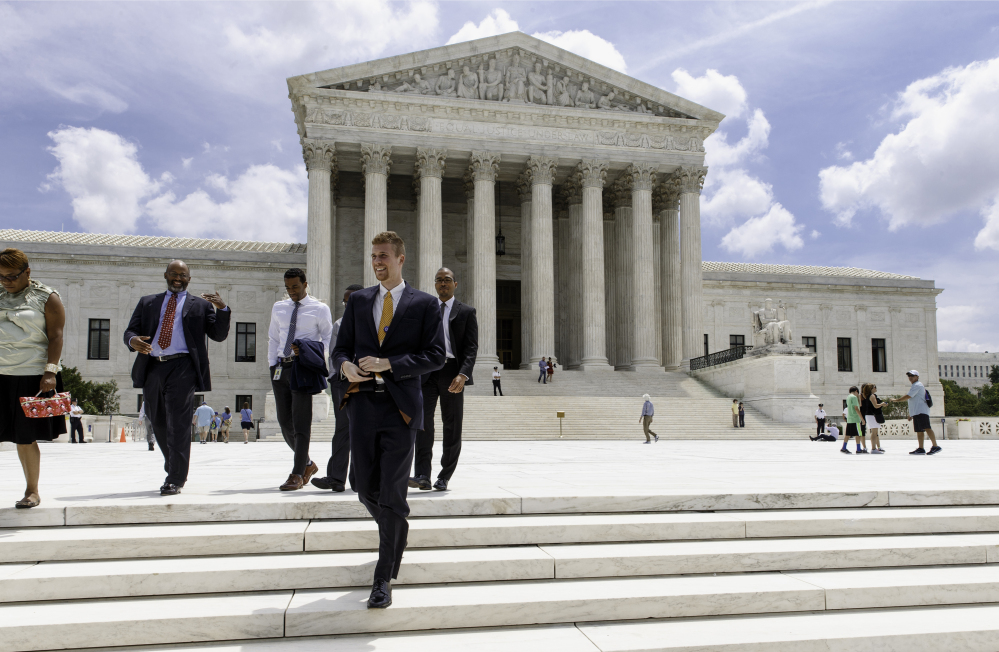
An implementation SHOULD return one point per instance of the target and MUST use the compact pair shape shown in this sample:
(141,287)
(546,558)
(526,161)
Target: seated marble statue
(563,95)
(516,81)
(490,83)
(604,103)
(770,325)
(468,84)
(447,85)
(585,98)
(376,87)
(539,90)
(419,86)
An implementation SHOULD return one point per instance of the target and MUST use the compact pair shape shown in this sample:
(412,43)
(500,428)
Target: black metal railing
(719,357)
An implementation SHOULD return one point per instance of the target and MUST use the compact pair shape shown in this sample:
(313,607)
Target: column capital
(591,173)
(375,159)
(560,202)
(524,187)
(643,175)
(541,169)
(619,192)
(416,188)
(469,184)
(573,190)
(691,178)
(319,154)
(666,196)
(484,166)
(430,162)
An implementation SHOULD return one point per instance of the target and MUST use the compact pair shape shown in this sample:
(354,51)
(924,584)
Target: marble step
(190,575)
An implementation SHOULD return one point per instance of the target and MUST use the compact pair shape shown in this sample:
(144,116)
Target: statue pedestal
(776,381)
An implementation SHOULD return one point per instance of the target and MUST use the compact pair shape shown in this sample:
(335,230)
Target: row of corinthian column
(636,196)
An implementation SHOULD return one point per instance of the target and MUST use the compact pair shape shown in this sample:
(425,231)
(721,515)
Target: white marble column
(469,281)
(573,284)
(932,356)
(484,166)
(430,164)
(590,175)
(376,161)
(610,282)
(691,180)
(563,344)
(643,358)
(667,198)
(542,172)
(320,160)
(624,289)
(526,258)
(656,268)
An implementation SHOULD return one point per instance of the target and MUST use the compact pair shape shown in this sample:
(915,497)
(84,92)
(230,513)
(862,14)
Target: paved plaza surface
(127,474)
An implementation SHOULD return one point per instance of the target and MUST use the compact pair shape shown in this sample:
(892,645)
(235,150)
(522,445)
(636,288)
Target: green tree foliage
(892,411)
(94,398)
(994,375)
(960,402)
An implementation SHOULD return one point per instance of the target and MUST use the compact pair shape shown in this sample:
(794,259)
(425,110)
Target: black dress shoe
(441,484)
(169,489)
(328,484)
(381,595)
(420,482)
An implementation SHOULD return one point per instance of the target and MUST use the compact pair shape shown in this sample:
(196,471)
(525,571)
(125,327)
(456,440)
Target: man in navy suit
(168,331)
(390,336)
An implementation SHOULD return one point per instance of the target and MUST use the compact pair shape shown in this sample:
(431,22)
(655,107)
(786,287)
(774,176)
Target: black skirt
(16,427)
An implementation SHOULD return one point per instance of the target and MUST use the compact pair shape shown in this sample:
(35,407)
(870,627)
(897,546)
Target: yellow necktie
(383,323)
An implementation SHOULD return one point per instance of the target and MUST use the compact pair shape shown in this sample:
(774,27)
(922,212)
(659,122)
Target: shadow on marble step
(193,575)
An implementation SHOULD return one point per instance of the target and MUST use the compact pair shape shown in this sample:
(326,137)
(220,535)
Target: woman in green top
(32,318)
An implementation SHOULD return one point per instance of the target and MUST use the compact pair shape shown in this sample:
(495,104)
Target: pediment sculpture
(770,325)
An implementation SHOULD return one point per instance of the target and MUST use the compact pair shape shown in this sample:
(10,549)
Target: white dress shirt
(447,326)
(820,414)
(376,309)
(314,322)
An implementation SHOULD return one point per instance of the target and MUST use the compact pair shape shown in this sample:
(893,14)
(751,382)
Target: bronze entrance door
(508,323)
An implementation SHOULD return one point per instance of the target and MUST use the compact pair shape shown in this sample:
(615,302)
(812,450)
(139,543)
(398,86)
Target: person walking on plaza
(32,318)
(870,407)
(203,418)
(543,368)
(299,318)
(461,345)
(742,415)
(390,336)
(496,381)
(648,411)
(820,421)
(550,369)
(226,424)
(213,429)
(76,421)
(246,421)
(169,331)
(338,470)
(919,413)
(735,413)
(854,419)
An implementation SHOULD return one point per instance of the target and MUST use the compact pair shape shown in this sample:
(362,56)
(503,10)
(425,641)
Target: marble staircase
(904,570)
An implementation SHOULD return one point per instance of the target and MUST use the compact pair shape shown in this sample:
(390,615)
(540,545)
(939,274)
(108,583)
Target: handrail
(720,357)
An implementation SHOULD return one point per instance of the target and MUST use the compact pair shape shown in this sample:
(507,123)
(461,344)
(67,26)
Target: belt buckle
(161,358)
(379,387)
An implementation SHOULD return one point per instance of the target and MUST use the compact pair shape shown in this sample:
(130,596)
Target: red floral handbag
(36,407)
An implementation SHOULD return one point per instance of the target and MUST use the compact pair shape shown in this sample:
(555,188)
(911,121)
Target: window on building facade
(243,398)
(705,344)
(99,341)
(811,343)
(878,355)
(844,354)
(938,371)
(246,342)
(736,340)
(198,400)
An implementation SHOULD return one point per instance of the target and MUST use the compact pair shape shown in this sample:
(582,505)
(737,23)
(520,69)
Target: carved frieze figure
(490,82)
(419,85)
(447,86)
(641,108)
(563,96)
(604,103)
(376,87)
(770,325)
(539,90)
(585,98)
(516,81)
(468,84)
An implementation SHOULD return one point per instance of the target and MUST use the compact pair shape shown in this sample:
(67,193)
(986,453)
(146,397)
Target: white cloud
(498,22)
(186,162)
(943,160)
(988,237)
(264,203)
(714,90)
(586,44)
(842,153)
(88,94)
(737,195)
(102,175)
(719,153)
(758,235)
(815,235)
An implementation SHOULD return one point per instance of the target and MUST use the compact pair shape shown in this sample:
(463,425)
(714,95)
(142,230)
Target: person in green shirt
(854,419)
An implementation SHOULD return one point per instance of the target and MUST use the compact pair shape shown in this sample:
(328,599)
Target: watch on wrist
(52,368)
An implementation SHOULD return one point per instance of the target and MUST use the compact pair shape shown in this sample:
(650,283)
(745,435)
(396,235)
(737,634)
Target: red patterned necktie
(166,333)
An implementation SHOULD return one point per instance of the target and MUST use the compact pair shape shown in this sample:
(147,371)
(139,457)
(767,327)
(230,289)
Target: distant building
(969,370)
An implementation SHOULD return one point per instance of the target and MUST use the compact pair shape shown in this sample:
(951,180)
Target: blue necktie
(291,331)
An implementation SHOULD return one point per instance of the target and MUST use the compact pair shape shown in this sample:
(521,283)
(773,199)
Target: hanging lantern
(501,244)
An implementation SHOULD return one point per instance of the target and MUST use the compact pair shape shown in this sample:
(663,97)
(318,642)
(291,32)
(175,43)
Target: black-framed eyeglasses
(11,279)
(444,279)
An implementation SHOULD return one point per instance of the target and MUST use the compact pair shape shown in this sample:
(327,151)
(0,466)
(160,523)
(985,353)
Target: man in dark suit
(168,331)
(461,341)
(390,336)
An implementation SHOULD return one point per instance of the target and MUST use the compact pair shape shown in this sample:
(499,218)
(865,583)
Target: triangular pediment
(512,69)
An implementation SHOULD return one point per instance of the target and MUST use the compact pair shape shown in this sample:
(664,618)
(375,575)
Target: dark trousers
(168,394)
(75,426)
(742,419)
(337,467)
(294,415)
(543,376)
(452,414)
(825,438)
(497,388)
(381,445)
(820,426)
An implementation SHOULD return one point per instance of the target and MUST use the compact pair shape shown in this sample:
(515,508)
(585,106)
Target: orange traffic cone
(122,440)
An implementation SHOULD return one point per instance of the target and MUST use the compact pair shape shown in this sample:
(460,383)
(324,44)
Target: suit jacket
(414,344)
(308,371)
(463,329)
(199,319)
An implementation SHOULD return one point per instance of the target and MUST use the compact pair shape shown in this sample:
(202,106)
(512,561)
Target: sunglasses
(11,279)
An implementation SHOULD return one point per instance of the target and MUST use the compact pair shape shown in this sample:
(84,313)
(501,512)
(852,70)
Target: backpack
(929,399)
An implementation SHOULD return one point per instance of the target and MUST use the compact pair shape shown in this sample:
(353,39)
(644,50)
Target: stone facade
(970,370)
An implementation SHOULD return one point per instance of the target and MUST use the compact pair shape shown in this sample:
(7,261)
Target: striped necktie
(166,328)
(383,323)
(291,330)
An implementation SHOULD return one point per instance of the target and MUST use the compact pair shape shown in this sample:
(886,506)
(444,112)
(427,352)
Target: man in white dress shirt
(299,317)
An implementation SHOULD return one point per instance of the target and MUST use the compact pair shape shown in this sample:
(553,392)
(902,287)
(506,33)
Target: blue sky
(859,133)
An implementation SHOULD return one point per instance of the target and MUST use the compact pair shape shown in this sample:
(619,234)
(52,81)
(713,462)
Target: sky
(859,134)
